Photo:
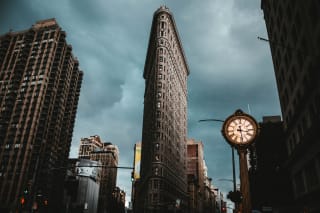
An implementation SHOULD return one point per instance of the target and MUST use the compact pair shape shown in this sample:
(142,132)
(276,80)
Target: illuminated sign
(88,168)
(137,161)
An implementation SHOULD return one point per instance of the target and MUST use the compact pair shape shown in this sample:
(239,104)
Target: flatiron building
(163,183)
(40,82)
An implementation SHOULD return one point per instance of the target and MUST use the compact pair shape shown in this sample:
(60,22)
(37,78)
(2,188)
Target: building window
(156,171)
(156,184)
(157,146)
(312,178)
(158,104)
(157,135)
(299,184)
(155,197)
(158,114)
(162,24)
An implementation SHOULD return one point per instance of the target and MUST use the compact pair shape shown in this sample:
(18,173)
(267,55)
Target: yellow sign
(137,160)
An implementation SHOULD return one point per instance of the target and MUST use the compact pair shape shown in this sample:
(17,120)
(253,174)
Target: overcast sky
(229,67)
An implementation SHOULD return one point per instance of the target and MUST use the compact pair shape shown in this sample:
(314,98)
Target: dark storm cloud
(247,5)
(15,16)
(229,67)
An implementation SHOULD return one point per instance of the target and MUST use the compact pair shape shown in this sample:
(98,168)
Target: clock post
(244,181)
(240,130)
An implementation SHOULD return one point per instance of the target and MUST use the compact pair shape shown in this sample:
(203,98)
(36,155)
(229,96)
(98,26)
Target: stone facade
(163,165)
(40,84)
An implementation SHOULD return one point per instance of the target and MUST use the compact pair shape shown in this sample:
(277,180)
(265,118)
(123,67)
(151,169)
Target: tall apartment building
(294,31)
(108,155)
(163,179)
(195,175)
(40,83)
(88,145)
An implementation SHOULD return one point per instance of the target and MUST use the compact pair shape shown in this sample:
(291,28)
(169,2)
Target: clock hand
(240,130)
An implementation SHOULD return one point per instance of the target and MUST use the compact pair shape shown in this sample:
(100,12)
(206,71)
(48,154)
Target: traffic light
(45,202)
(22,201)
(26,191)
(24,198)
(235,196)
(230,195)
(223,209)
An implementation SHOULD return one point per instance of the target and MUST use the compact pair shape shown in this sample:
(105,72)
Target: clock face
(240,129)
